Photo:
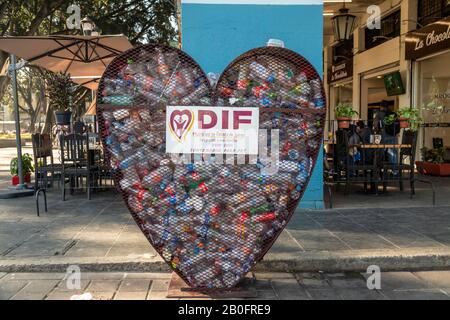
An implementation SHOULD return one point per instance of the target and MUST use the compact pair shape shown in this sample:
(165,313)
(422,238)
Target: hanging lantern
(343,24)
(87,26)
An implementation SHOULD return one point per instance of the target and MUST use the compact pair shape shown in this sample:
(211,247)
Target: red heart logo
(211,220)
(180,123)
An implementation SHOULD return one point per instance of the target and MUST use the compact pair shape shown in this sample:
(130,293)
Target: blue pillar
(215,32)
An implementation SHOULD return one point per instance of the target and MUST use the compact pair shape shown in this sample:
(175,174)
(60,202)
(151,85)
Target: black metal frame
(135,161)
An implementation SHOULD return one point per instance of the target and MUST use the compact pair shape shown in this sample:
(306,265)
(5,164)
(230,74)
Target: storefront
(429,48)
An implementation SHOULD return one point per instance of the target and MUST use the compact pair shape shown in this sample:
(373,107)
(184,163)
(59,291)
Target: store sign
(341,71)
(430,39)
(212,130)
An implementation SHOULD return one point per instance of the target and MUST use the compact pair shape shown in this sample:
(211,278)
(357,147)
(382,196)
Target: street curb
(338,261)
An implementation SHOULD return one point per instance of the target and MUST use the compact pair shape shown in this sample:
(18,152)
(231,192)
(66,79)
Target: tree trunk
(45,107)
(4,63)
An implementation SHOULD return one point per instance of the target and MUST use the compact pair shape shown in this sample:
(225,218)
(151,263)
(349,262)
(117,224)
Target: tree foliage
(142,21)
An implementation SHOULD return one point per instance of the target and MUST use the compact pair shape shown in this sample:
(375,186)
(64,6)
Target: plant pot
(63,117)
(433,169)
(404,122)
(26,178)
(344,123)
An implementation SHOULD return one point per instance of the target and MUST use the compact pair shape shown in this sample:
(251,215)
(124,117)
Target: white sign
(211,129)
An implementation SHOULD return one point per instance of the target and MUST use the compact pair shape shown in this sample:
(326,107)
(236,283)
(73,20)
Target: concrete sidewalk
(100,235)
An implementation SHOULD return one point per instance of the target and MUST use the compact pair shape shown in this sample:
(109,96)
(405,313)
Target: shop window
(430,11)
(390,28)
(434,100)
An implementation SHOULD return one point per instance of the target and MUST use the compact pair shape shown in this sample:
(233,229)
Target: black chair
(44,166)
(76,163)
(403,170)
(349,171)
(328,179)
(340,153)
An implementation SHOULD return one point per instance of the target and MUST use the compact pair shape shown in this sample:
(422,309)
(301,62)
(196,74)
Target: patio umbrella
(83,57)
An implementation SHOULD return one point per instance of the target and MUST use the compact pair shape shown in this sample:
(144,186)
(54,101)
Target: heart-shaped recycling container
(210,218)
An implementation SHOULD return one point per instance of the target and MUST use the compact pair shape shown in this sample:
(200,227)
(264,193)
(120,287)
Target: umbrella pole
(21,185)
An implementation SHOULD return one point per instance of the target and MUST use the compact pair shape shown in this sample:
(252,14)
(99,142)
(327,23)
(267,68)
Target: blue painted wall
(215,34)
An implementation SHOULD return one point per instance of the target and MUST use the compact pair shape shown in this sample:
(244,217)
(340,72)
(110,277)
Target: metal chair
(76,162)
(403,169)
(44,165)
(349,171)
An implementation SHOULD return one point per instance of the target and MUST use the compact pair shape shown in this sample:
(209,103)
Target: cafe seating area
(79,164)
(376,164)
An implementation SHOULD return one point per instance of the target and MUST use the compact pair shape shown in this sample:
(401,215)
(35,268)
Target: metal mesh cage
(210,218)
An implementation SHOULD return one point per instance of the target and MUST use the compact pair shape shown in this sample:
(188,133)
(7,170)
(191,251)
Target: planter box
(434,169)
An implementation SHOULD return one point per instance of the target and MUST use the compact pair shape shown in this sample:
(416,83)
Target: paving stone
(416,295)
(159,285)
(40,286)
(360,294)
(348,283)
(314,283)
(135,285)
(102,295)
(103,286)
(285,284)
(158,295)
(102,275)
(401,281)
(22,295)
(2,274)
(323,294)
(10,288)
(148,275)
(64,285)
(62,295)
(267,295)
(262,284)
(437,279)
(136,295)
(289,294)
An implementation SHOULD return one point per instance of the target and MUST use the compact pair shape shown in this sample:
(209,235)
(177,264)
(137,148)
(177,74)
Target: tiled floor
(428,285)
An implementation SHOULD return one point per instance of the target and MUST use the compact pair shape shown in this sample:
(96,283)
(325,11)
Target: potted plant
(344,114)
(409,118)
(27,169)
(433,162)
(60,94)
